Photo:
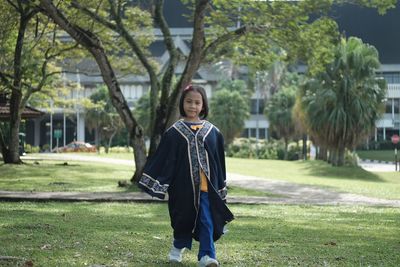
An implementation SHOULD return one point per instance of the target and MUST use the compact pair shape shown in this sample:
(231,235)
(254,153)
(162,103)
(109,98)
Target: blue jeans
(206,230)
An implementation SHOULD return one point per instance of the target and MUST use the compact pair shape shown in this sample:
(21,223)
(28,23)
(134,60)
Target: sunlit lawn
(92,176)
(55,176)
(116,234)
(346,179)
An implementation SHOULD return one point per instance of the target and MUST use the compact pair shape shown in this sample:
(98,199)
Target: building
(367,24)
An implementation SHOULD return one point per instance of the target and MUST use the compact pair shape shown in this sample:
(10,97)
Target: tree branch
(169,43)
(94,16)
(4,80)
(195,56)
(224,38)
(13,5)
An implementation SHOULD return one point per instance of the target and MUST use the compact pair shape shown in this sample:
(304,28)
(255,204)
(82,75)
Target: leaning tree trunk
(93,45)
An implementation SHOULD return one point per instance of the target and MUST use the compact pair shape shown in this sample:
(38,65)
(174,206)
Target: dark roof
(177,14)
(28,113)
(381,31)
(157,48)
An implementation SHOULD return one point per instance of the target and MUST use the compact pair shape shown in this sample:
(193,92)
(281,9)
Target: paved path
(288,193)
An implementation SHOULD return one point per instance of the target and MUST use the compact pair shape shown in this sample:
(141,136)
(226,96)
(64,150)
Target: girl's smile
(192,105)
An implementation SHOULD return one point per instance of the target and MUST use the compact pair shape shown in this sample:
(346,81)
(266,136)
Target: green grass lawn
(55,176)
(318,173)
(116,234)
(52,176)
(382,155)
(97,177)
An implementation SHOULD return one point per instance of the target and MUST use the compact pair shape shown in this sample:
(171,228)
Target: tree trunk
(340,155)
(15,121)
(3,148)
(285,156)
(110,140)
(323,154)
(304,147)
(139,152)
(93,45)
(12,152)
(333,157)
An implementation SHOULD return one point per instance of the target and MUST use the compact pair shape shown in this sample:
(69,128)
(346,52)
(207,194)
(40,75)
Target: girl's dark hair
(194,88)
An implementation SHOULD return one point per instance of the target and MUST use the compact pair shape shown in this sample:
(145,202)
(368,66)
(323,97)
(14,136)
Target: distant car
(76,146)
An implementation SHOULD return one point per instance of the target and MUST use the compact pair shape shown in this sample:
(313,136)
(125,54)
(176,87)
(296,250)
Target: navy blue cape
(175,168)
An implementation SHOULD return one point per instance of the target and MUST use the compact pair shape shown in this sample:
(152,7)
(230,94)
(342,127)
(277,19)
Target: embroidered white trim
(153,185)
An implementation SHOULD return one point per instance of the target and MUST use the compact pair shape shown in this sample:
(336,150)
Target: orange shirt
(203,182)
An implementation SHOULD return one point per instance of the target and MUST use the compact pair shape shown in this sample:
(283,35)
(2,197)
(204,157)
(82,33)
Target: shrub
(31,149)
(263,149)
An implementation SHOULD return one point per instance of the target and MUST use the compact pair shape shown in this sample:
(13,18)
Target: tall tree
(30,52)
(342,103)
(252,32)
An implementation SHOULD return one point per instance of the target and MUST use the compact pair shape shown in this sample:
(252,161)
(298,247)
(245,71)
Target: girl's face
(192,105)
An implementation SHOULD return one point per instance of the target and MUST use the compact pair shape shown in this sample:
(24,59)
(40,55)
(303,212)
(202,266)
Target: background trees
(265,32)
(229,107)
(102,118)
(279,114)
(254,33)
(342,103)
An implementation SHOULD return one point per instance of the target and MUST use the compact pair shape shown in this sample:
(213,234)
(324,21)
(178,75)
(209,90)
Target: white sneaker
(175,255)
(206,261)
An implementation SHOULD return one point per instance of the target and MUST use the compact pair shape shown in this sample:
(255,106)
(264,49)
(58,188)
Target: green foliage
(279,112)
(239,86)
(342,104)
(101,116)
(275,31)
(249,148)
(228,110)
(31,149)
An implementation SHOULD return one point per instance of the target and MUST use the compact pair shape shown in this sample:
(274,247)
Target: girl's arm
(159,168)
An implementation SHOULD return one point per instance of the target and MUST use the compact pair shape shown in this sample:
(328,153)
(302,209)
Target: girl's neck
(192,119)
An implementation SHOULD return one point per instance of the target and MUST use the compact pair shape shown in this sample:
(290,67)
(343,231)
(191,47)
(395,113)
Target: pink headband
(190,86)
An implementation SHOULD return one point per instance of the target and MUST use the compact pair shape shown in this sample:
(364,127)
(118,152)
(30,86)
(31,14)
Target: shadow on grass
(321,169)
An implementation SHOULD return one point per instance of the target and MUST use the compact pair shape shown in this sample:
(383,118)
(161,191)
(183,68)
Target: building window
(396,105)
(388,108)
(253,106)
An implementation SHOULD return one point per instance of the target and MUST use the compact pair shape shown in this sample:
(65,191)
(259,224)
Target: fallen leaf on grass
(330,243)
(46,246)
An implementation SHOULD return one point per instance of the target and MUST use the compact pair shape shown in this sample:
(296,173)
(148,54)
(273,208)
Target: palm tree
(279,114)
(342,103)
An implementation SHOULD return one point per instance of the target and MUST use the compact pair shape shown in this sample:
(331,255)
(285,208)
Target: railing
(393,90)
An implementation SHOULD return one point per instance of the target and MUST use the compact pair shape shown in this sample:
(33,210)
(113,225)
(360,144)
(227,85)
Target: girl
(189,164)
